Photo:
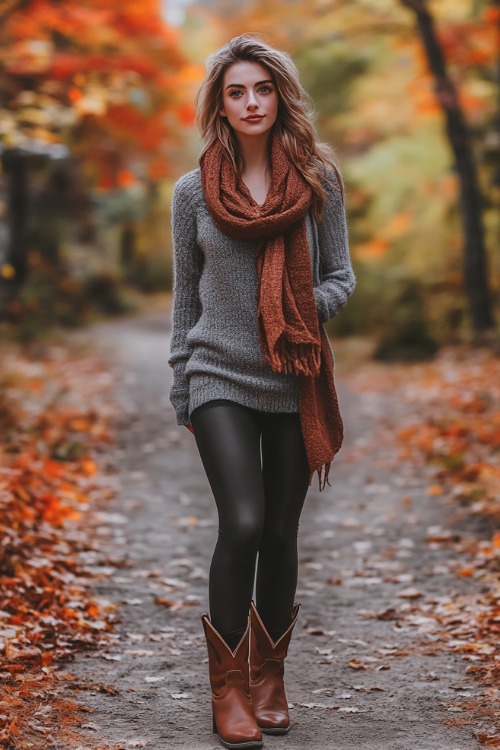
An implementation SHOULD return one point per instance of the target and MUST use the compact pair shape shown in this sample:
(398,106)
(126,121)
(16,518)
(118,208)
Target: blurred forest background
(96,123)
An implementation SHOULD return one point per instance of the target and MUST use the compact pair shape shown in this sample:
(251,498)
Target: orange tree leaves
(54,421)
(103,70)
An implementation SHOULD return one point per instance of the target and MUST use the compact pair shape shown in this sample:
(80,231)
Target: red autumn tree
(110,70)
(104,81)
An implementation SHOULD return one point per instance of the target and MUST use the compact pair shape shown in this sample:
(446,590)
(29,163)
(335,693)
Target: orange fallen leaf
(356,664)
(434,490)
(88,467)
(163,600)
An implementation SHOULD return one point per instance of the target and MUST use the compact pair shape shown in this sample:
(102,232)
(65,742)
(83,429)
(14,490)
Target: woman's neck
(254,154)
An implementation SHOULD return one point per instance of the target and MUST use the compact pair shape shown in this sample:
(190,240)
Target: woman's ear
(222,112)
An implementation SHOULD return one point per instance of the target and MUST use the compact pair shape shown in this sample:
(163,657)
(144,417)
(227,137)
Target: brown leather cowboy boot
(233,717)
(267,687)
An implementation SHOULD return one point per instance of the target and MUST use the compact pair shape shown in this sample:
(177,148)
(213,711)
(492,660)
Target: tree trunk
(16,168)
(475,265)
(127,245)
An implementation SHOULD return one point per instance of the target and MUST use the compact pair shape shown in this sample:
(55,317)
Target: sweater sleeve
(337,277)
(187,266)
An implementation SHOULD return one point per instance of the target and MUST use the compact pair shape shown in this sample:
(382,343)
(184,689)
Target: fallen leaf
(356,664)
(409,593)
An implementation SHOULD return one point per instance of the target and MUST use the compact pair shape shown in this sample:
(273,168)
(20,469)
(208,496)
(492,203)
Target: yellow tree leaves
(379,106)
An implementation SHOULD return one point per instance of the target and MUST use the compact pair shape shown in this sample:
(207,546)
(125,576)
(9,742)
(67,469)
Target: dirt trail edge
(355,681)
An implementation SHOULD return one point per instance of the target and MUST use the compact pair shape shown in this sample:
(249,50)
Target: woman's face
(249,99)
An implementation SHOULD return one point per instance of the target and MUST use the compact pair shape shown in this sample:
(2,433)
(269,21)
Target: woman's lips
(253,118)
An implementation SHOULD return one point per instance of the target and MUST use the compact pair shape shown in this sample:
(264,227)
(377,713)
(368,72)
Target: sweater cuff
(181,407)
(182,414)
(321,305)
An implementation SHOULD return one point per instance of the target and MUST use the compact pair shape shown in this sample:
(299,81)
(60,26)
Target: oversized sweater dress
(215,350)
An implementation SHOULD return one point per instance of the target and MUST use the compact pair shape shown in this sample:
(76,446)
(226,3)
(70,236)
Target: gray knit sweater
(215,351)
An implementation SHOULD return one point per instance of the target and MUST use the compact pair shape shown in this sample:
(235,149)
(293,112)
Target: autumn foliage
(380,106)
(54,423)
(108,79)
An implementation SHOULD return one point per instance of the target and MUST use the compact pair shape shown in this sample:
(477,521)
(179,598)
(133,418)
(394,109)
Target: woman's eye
(265,89)
(235,93)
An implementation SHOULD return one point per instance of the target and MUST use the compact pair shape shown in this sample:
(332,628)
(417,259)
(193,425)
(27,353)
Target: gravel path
(355,680)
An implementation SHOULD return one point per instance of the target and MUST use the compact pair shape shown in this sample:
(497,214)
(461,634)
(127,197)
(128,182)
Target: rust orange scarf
(292,341)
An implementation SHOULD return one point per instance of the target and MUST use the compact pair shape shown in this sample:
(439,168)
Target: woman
(261,261)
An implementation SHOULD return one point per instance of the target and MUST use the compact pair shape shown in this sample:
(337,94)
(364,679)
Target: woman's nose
(252,101)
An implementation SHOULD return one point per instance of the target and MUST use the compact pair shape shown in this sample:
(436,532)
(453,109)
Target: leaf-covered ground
(371,663)
(446,422)
(397,645)
(54,425)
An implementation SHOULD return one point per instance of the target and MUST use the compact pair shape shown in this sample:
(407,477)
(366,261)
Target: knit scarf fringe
(291,339)
(293,359)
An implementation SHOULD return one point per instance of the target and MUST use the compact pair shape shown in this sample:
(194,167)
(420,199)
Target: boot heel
(267,657)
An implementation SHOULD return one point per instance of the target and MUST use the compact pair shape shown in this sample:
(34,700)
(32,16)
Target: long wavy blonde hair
(294,124)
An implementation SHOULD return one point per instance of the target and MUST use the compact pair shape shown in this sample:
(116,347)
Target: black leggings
(257,468)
